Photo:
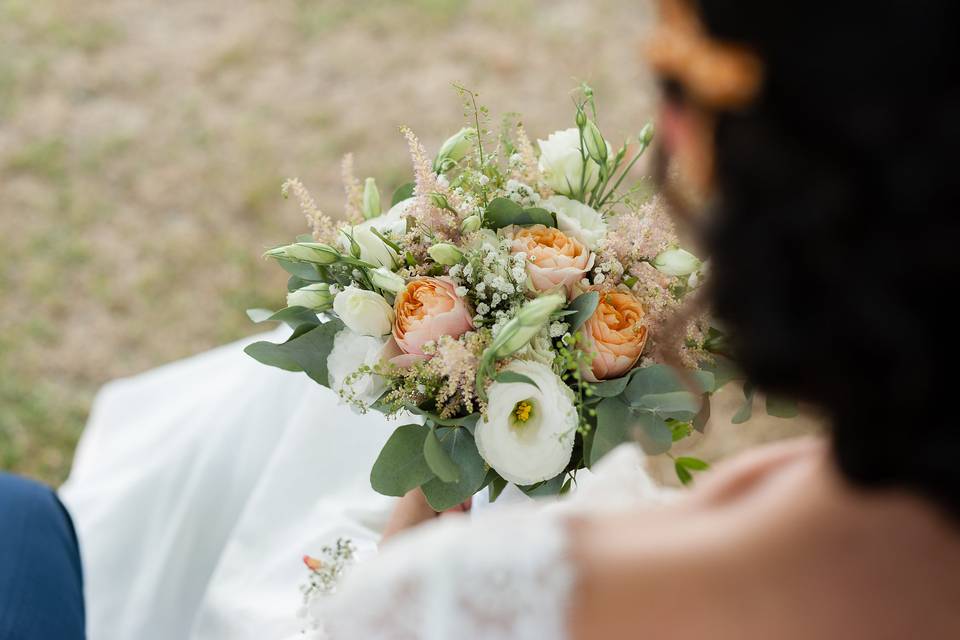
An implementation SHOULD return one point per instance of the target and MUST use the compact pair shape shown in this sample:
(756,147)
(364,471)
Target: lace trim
(504,577)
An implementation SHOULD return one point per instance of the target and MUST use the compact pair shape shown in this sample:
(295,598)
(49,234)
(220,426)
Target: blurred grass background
(142,147)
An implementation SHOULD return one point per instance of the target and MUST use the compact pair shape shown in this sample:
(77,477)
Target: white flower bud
(306,251)
(596,146)
(384,278)
(445,253)
(676,262)
(313,296)
(470,224)
(371,199)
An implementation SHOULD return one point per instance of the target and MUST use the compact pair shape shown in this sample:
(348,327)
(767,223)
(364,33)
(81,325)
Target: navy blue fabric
(41,582)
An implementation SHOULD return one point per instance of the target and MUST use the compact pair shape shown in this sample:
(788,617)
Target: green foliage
(746,410)
(306,351)
(686,465)
(503,212)
(514,377)
(402,193)
(437,459)
(295,317)
(583,307)
(401,465)
(780,407)
(462,450)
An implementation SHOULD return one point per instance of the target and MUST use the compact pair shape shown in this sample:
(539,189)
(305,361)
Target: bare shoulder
(773,545)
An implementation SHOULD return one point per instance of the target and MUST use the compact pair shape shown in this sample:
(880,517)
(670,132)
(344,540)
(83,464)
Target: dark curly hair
(834,238)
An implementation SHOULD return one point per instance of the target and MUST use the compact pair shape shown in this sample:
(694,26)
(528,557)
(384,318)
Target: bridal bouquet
(520,304)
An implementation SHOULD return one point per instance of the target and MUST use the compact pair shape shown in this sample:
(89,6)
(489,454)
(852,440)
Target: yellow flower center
(522,410)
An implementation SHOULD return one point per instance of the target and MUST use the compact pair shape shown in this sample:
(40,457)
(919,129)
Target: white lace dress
(502,576)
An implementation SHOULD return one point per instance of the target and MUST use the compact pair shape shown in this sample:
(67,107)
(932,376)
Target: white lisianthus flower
(392,224)
(364,312)
(313,296)
(562,163)
(577,220)
(528,432)
(350,352)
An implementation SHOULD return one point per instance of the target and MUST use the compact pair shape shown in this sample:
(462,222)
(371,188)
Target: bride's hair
(834,240)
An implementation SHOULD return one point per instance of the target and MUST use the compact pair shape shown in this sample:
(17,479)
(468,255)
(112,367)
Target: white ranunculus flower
(365,312)
(562,164)
(577,220)
(350,352)
(392,224)
(528,432)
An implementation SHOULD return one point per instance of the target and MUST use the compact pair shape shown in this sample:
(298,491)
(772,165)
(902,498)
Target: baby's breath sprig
(572,362)
(326,571)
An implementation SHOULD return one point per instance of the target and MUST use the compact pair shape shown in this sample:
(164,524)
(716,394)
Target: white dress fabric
(197,487)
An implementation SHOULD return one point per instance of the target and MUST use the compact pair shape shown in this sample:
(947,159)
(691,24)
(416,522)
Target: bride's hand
(413,509)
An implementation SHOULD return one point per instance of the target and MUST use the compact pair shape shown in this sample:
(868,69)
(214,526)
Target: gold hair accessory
(718,74)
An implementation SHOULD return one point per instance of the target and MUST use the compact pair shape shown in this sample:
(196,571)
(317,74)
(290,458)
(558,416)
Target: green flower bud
(526,324)
(439,200)
(581,119)
(470,224)
(646,134)
(387,280)
(596,146)
(371,199)
(454,149)
(313,296)
(307,252)
(676,262)
(445,253)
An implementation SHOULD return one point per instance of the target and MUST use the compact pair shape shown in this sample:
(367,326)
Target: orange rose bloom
(427,309)
(553,257)
(615,335)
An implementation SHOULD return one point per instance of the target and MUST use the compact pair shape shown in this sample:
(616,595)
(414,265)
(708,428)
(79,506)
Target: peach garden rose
(425,310)
(615,335)
(554,259)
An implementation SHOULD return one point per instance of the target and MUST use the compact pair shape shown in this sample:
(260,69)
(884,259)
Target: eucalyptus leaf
(611,388)
(584,305)
(303,270)
(401,465)
(703,416)
(652,432)
(459,445)
(546,488)
(293,316)
(746,410)
(438,460)
(668,404)
(470,422)
(613,428)
(402,193)
(512,377)
(496,488)
(503,212)
(306,350)
(780,407)
(296,282)
(259,315)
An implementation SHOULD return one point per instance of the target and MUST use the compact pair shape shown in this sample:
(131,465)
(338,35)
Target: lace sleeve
(504,577)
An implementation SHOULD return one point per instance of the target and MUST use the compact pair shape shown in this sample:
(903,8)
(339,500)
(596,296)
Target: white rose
(393,224)
(562,163)
(365,312)
(577,220)
(528,432)
(350,352)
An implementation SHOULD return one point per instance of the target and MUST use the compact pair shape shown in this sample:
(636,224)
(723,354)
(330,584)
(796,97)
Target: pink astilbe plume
(639,235)
(442,222)
(321,225)
(529,170)
(353,206)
